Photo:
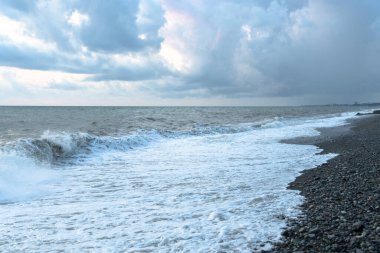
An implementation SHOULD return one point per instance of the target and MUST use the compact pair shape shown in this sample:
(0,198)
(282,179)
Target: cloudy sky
(189,52)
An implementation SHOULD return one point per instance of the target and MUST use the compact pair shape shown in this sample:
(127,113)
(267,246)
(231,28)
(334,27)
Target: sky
(189,52)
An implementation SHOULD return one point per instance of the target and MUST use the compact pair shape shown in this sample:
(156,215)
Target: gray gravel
(341,212)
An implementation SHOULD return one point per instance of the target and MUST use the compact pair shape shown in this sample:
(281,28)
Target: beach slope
(342,197)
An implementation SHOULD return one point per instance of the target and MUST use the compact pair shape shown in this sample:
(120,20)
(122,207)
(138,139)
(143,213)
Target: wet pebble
(342,197)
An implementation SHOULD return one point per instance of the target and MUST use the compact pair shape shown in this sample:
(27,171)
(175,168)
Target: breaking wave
(55,146)
(26,164)
(51,147)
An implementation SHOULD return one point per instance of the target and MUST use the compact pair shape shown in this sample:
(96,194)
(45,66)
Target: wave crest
(51,147)
(54,146)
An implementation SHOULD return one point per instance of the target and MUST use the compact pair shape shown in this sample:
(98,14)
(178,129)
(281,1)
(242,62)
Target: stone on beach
(342,197)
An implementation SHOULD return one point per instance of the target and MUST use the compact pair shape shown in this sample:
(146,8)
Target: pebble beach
(341,211)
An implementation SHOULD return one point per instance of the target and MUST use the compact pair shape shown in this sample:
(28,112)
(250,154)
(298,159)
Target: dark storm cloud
(114,27)
(116,21)
(317,47)
(109,28)
(334,53)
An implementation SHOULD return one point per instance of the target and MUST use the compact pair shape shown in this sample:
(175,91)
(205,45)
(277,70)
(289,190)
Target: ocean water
(153,179)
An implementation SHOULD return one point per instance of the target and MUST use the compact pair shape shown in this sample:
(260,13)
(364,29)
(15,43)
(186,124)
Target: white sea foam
(22,179)
(182,192)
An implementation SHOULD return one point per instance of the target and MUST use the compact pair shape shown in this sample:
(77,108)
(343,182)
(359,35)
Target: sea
(154,179)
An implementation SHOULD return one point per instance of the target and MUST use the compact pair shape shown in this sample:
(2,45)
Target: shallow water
(138,180)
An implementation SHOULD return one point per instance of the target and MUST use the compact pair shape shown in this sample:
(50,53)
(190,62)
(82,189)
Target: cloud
(83,37)
(15,7)
(218,54)
(77,19)
(65,86)
(232,49)
(12,56)
(277,49)
(113,27)
(326,48)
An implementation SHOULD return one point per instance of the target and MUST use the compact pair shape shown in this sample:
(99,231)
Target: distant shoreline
(342,197)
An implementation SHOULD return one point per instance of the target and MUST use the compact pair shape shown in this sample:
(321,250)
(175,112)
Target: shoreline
(341,210)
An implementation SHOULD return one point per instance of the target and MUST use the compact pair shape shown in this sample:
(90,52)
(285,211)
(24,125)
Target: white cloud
(77,19)
(179,40)
(37,78)
(16,33)
(246,29)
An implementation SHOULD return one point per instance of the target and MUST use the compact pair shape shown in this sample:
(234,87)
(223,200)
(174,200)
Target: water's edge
(327,222)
